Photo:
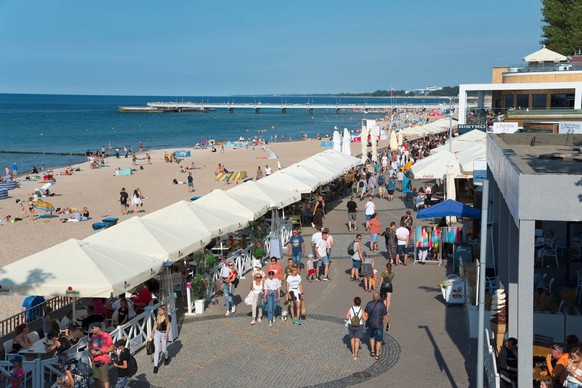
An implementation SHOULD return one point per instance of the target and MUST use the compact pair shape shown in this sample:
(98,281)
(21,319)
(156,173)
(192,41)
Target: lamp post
(450,124)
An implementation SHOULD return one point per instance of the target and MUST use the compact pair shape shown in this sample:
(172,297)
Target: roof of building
(535,153)
(545,55)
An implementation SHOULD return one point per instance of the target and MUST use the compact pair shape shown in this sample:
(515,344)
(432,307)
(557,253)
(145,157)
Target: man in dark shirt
(123,198)
(91,317)
(508,359)
(352,214)
(374,314)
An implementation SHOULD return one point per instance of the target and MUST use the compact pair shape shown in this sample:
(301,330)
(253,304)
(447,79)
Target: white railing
(490,362)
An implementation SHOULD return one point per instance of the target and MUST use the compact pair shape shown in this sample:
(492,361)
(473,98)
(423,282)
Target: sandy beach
(98,190)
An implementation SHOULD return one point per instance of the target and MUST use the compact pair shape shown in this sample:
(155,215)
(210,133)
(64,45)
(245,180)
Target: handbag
(150,349)
(249,299)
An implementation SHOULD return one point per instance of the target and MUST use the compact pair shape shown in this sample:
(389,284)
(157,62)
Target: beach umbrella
(400,138)
(437,166)
(450,189)
(337,141)
(393,140)
(43,205)
(142,236)
(246,207)
(46,185)
(276,196)
(197,220)
(78,269)
(346,142)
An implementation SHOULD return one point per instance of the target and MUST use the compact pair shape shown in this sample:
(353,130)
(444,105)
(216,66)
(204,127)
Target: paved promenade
(427,346)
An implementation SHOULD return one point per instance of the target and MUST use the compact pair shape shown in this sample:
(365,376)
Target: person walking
(136,200)
(403,237)
(160,332)
(391,186)
(257,290)
(122,363)
(375,228)
(295,290)
(330,242)
(352,214)
(100,345)
(370,209)
(322,258)
(374,314)
(190,182)
(355,318)
(362,187)
(272,294)
(381,185)
(386,288)
(259,173)
(318,212)
(368,272)
(296,248)
(357,258)
(229,278)
(391,242)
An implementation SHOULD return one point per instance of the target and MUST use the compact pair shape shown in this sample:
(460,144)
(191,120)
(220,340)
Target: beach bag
(351,248)
(355,321)
(131,365)
(150,349)
(249,299)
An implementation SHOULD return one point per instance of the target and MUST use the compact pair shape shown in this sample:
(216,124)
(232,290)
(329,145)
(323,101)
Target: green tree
(563,30)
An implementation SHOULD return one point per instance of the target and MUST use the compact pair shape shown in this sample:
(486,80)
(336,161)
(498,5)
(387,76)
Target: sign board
(470,127)
(479,172)
(570,127)
(504,127)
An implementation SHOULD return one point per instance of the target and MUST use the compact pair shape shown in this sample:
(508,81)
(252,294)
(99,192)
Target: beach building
(535,196)
(545,88)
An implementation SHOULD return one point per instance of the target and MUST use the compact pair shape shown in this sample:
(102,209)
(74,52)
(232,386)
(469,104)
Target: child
(310,267)
(17,373)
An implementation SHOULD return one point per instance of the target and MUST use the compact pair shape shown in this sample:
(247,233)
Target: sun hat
(310,255)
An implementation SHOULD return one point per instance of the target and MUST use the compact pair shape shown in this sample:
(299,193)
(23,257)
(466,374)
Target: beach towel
(232,176)
(422,236)
(436,237)
(451,234)
(182,154)
(45,215)
(124,172)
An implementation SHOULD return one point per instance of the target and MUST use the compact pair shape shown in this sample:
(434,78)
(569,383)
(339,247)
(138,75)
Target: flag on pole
(392,90)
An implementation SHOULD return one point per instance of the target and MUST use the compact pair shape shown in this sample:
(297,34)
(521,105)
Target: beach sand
(99,189)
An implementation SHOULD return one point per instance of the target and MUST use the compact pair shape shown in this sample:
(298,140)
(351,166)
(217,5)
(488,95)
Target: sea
(36,123)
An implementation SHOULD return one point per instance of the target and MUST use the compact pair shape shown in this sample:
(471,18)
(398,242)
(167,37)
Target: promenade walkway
(427,346)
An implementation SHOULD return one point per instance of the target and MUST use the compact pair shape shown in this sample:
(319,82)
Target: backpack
(351,248)
(361,184)
(386,285)
(131,365)
(355,322)
(381,180)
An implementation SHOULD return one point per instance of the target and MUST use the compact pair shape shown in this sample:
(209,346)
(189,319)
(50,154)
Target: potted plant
(209,261)
(198,290)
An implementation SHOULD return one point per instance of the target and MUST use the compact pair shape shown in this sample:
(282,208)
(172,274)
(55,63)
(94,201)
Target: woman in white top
(370,210)
(136,201)
(574,379)
(257,289)
(272,293)
(295,289)
(355,326)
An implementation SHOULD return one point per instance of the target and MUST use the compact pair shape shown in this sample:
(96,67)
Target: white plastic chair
(33,335)
(8,349)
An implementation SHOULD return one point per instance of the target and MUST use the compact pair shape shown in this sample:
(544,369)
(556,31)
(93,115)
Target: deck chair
(296,221)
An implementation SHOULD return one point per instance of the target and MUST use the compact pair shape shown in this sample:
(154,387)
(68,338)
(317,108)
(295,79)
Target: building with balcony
(546,82)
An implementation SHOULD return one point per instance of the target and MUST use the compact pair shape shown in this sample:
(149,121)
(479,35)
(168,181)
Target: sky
(216,48)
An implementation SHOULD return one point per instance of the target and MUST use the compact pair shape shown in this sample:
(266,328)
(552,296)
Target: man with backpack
(381,185)
(355,251)
(374,314)
(126,364)
(362,185)
(355,324)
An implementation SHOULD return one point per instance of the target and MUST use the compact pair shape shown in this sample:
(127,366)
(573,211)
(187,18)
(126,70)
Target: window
(509,101)
(539,101)
(562,100)
(523,101)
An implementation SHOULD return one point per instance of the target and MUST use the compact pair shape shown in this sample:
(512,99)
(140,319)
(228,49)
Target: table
(37,348)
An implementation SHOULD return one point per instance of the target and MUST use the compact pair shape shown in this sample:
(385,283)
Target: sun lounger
(232,176)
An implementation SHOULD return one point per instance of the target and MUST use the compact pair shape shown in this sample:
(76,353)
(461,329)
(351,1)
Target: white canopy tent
(281,179)
(199,224)
(146,237)
(276,196)
(463,142)
(435,166)
(467,157)
(78,269)
(305,176)
(324,164)
(347,162)
(246,207)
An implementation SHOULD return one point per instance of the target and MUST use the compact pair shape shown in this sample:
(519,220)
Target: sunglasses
(231,265)
(258,277)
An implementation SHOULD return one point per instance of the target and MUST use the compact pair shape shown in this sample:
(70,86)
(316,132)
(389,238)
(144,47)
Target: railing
(490,362)
(542,68)
(8,325)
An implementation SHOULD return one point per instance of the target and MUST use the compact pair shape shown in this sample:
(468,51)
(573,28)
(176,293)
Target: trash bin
(110,221)
(97,226)
(453,290)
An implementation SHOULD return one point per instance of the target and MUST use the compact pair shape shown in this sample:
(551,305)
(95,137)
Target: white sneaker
(227,313)
(233,309)
(270,323)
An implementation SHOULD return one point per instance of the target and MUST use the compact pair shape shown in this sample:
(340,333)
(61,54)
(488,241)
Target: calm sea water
(61,123)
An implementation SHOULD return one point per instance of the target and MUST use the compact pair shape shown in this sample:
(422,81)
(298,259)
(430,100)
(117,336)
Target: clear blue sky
(186,48)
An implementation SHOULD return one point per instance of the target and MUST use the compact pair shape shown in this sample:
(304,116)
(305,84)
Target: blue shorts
(325,260)
(296,258)
(368,217)
(401,249)
(375,237)
(377,334)
(357,264)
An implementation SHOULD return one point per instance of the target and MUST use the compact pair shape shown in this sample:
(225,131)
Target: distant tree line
(563,30)
(447,91)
